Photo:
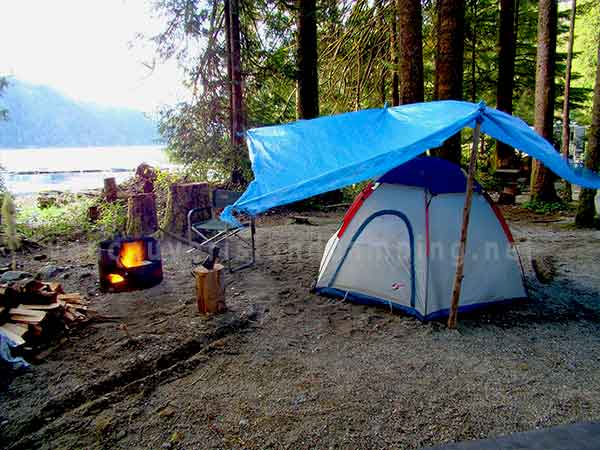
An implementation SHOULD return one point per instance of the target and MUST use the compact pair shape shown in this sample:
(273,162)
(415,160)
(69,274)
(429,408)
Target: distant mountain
(39,116)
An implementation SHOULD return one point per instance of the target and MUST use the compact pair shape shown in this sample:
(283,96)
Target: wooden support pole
(460,264)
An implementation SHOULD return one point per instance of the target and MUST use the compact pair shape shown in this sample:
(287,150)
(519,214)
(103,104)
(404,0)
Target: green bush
(540,207)
(55,222)
(112,219)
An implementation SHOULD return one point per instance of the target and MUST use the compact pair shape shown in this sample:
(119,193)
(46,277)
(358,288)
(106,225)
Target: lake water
(63,168)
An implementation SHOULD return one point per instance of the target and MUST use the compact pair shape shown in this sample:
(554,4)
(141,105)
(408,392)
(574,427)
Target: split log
(182,198)
(141,215)
(110,190)
(210,289)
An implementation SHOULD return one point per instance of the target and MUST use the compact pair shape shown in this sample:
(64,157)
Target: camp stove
(127,264)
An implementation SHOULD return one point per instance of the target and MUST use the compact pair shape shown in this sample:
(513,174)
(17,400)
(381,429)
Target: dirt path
(287,369)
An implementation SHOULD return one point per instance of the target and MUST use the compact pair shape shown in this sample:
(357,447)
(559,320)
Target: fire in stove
(127,264)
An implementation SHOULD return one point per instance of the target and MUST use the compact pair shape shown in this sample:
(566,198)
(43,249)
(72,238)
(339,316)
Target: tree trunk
(566,129)
(141,215)
(449,65)
(227,14)
(411,51)
(307,106)
(395,61)
(182,198)
(586,211)
(542,180)
(505,154)
(474,25)
(237,113)
(110,190)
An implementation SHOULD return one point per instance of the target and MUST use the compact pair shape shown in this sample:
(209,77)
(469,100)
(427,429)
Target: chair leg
(253,250)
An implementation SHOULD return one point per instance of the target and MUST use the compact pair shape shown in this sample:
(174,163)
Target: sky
(88,50)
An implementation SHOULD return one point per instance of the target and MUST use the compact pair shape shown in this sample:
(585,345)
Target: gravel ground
(288,369)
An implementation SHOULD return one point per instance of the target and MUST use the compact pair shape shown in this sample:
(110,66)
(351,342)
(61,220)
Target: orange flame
(115,278)
(132,254)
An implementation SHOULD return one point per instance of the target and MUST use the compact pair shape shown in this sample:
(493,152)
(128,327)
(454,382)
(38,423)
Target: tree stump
(210,289)
(182,198)
(110,190)
(146,174)
(141,215)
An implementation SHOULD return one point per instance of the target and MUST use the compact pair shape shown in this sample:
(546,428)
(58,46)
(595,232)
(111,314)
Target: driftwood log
(141,215)
(110,189)
(182,198)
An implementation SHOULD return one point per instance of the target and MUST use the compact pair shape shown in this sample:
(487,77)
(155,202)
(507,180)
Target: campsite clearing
(288,369)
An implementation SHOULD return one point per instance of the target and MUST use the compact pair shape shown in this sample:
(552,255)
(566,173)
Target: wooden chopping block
(210,289)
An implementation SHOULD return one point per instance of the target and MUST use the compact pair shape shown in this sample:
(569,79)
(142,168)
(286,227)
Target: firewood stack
(32,311)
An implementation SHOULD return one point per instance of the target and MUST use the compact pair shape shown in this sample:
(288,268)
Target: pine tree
(449,65)
(307,104)
(507,44)
(542,180)
(411,51)
(566,128)
(586,210)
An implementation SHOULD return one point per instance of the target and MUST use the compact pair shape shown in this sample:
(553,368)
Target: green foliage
(66,222)
(540,207)
(112,219)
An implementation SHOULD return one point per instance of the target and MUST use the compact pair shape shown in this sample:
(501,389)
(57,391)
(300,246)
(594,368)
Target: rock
(40,257)
(14,275)
(243,422)
(50,271)
(85,275)
(166,445)
(121,435)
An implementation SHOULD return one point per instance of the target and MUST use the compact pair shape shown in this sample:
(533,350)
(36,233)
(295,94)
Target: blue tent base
(363,299)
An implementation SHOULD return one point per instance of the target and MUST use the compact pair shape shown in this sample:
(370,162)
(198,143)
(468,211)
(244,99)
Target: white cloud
(88,50)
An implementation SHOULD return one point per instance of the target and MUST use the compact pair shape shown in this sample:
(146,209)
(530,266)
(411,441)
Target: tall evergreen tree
(411,51)
(237,102)
(507,45)
(449,65)
(585,210)
(542,180)
(307,104)
(566,128)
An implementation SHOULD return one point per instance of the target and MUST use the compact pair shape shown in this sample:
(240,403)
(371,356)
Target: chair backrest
(222,198)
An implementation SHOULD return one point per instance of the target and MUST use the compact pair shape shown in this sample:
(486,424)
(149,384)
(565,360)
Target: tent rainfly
(299,160)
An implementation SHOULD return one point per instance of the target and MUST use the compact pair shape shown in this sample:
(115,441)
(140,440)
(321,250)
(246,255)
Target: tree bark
(182,198)
(505,154)
(237,113)
(449,65)
(566,128)
(307,105)
(542,180)
(141,215)
(411,51)
(586,213)
(395,60)
(110,190)
(227,14)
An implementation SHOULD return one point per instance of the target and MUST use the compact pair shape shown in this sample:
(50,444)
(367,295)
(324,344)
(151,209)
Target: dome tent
(398,241)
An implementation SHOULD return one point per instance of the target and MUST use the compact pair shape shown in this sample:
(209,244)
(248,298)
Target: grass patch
(540,207)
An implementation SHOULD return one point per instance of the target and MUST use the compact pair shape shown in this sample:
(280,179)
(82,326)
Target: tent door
(379,260)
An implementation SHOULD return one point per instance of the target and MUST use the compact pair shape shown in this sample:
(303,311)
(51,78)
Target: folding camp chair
(212,232)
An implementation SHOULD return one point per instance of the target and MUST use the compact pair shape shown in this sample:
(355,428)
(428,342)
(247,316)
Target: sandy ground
(287,369)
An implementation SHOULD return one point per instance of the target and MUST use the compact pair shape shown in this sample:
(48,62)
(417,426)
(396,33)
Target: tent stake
(460,264)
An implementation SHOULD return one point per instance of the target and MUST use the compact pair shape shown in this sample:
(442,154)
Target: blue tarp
(298,160)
